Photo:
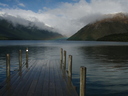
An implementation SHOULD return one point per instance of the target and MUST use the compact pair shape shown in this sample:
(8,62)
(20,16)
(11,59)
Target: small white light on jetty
(26,49)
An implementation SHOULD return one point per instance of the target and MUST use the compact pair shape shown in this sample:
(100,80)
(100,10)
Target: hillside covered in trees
(9,31)
(114,28)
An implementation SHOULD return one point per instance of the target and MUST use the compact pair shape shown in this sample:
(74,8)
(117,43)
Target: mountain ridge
(113,24)
(9,31)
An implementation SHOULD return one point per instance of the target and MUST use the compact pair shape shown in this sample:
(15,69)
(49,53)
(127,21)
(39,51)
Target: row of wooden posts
(20,62)
(82,71)
(63,65)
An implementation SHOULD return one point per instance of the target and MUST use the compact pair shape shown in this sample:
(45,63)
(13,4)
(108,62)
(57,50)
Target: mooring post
(20,62)
(27,57)
(64,59)
(82,81)
(20,58)
(61,56)
(8,66)
(70,66)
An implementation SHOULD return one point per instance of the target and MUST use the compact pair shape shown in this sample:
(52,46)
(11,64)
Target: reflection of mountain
(108,54)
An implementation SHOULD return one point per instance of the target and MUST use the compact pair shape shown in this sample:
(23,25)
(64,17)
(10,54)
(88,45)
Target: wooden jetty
(39,78)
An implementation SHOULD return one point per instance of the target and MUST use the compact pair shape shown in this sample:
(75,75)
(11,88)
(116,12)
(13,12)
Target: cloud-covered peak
(34,22)
(68,18)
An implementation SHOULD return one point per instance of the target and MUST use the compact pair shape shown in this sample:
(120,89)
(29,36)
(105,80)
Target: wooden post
(20,62)
(64,59)
(82,81)
(20,58)
(27,57)
(8,66)
(61,56)
(70,66)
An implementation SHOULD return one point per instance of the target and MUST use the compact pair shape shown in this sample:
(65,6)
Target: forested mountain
(9,31)
(114,28)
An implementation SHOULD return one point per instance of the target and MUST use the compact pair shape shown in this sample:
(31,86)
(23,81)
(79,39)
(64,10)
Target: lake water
(106,62)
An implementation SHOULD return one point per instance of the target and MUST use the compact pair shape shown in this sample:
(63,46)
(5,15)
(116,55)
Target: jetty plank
(59,89)
(14,80)
(41,78)
(39,86)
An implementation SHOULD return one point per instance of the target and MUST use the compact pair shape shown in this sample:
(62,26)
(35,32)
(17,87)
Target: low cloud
(68,18)
(15,20)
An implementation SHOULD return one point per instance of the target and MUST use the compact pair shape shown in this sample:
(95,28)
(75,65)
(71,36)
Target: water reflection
(107,63)
(115,56)
(107,69)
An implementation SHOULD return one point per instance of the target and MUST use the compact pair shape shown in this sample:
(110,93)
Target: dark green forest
(108,29)
(19,32)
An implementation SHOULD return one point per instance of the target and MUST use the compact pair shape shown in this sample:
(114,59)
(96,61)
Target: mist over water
(106,62)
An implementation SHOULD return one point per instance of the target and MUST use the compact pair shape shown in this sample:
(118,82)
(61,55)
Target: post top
(7,54)
(26,49)
(82,67)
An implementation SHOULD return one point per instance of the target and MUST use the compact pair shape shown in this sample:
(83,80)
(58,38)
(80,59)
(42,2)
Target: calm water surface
(106,62)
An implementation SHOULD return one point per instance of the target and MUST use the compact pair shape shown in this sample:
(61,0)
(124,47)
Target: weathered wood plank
(52,90)
(34,80)
(42,78)
(28,82)
(59,89)
(24,82)
(39,86)
(62,81)
(69,86)
(45,90)
(14,79)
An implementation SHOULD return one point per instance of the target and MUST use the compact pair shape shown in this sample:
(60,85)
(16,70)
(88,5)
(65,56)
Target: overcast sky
(66,16)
